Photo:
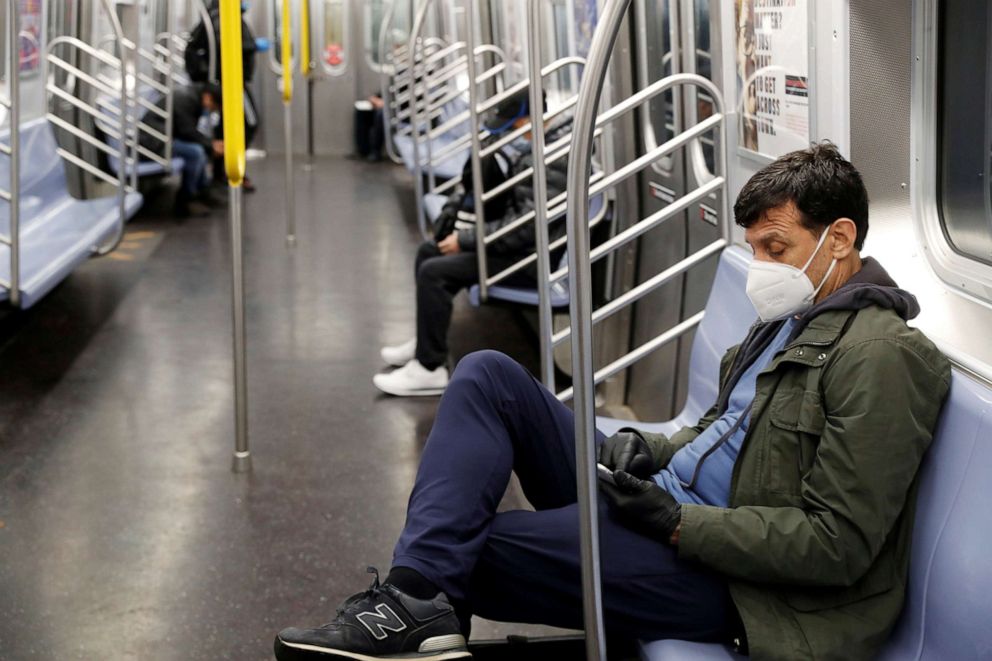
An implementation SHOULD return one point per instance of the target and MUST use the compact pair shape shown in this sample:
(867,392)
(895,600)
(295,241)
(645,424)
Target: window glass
(965,127)
(704,67)
(276,51)
(333,53)
(655,62)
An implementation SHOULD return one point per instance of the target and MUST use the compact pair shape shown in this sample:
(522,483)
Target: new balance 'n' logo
(381,621)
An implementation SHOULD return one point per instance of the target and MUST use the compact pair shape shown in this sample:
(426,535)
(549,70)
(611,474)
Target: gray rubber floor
(123,532)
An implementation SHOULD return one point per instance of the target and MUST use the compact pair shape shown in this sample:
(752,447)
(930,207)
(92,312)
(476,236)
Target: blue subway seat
(57,231)
(446,169)
(433,203)
(108,105)
(947,605)
(729,314)
(528,295)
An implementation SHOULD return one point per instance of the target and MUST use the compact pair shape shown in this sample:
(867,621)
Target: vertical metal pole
(290,196)
(287,104)
(310,150)
(14,86)
(540,196)
(242,455)
(473,127)
(306,68)
(234,165)
(580,272)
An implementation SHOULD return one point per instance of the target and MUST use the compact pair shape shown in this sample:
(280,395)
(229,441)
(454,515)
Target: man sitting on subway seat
(780,522)
(449,264)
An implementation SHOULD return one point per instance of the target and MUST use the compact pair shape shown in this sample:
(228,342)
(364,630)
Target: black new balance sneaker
(380,623)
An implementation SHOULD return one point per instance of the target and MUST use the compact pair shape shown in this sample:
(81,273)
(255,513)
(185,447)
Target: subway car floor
(123,532)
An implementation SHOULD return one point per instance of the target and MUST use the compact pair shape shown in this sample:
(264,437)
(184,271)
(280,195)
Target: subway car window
(334,52)
(275,9)
(655,60)
(965,127)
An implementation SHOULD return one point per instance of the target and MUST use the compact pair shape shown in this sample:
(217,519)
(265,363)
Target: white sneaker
(399,355)
(412,380)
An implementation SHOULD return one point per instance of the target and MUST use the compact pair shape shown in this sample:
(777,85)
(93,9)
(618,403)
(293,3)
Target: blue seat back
(948,609)
(43,180)
(729,314)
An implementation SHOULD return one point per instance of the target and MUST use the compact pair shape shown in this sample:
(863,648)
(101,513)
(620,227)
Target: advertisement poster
(30,35)
(585,25)
(772,75)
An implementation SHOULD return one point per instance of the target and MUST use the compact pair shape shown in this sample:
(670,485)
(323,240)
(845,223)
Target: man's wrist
(674,539)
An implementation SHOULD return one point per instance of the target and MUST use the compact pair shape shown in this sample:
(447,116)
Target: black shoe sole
(294,652)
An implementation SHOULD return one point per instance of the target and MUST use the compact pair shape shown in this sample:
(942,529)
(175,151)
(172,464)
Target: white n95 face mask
(780,290)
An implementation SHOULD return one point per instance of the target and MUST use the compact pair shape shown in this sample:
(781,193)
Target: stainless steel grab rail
(582,315)
(122,131)
(13,151)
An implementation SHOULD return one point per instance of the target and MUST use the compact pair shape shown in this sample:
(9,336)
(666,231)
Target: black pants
(522,566)
(439,278)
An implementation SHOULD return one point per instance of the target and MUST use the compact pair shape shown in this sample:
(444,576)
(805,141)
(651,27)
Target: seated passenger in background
(449,264)
(191,144)
(781,521)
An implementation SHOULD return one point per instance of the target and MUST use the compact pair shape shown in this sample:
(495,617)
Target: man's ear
(844,234)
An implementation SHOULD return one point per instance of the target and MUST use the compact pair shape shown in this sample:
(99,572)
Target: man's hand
(449,245)
(218,146)
(643,506)
(626,451)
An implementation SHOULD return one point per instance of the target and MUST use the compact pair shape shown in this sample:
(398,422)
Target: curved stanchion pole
(580,311)
(118,30)
(385,81)
(234,165)
(287,105)
(208,26)
(306,68)
(540,195)
(14,110)
(415,50)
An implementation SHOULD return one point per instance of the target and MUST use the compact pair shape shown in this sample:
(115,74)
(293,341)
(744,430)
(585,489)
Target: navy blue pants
(194,166)
(523,566)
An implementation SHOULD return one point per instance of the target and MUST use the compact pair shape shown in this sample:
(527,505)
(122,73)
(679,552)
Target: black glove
(643,505)
(626,451)
(445,223)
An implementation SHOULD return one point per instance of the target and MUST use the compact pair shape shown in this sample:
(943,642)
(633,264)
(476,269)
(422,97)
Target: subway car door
(655,47)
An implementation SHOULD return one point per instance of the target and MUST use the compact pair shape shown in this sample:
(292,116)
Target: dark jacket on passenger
(815,544)
(521,241)
(187,108)
(197,54)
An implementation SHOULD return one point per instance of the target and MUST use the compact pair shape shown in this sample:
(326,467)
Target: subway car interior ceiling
(495,329)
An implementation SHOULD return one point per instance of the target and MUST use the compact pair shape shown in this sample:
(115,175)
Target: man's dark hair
(214,90)
(823,185)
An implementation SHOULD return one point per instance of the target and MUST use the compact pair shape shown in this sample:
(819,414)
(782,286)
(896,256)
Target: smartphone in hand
(605,474)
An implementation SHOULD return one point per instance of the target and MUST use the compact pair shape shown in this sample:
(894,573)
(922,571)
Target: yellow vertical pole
(287,105)
(233,109)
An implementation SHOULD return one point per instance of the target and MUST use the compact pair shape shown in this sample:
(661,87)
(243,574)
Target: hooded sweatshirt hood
(872,285)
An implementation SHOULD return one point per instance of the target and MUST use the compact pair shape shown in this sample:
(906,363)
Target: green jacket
(815,543)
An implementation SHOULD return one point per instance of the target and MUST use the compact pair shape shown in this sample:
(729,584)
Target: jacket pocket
(797,421)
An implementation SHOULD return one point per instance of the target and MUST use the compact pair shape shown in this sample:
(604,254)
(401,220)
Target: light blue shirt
(712,485)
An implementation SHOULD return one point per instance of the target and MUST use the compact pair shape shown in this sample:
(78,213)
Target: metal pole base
(241,462)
